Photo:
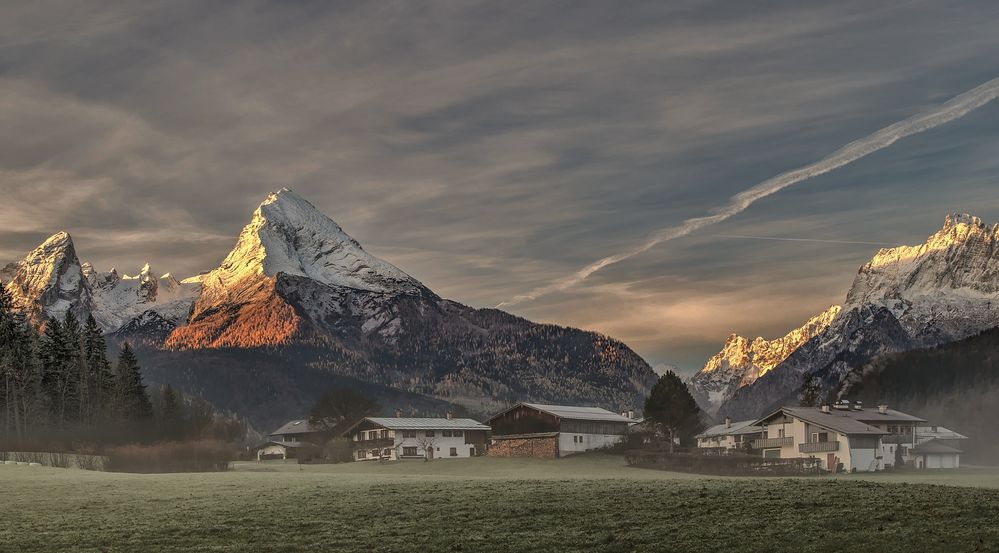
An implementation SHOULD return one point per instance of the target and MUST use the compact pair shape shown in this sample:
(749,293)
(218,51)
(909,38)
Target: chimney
(883,409)
(398,413)
(728,422)
(450,415)
(624,414)
(825,408)
(631,413)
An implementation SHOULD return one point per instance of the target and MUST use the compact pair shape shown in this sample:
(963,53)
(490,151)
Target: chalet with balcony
(392,438)
(552,431)
(843,437)
(729,436)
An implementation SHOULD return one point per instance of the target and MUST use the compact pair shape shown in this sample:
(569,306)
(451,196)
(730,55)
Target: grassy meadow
(587,503)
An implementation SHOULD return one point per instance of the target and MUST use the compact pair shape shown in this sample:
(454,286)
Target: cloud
(488,149)
(956,108)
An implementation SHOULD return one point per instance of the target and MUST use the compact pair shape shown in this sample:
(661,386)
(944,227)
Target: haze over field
(150,130)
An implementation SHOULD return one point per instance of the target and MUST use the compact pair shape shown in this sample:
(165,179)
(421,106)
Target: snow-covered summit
(48,281)
(906,297)
(288,235)
(741,361)
(118,300)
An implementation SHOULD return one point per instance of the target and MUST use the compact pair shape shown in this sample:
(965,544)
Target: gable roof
(570,412)
(837,420)
(926,433)
(740,427)
(935,446)
(295,427)
(418,423)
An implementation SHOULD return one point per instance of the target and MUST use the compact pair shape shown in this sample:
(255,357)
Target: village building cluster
(844,437)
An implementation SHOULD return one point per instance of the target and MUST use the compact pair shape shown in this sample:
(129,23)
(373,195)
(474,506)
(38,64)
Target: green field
(589,503)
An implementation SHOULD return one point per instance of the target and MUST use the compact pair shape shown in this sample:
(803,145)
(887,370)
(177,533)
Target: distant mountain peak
(289,235)
(49,280)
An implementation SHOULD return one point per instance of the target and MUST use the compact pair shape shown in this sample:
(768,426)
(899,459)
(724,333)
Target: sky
(491,148)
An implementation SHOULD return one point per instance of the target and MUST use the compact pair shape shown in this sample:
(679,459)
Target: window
(409,433)
(458,433)
(780,433)
(409,452)
(454,452)
(446,433)
(471,452)
(386,452)
(360,455)
(384,434)
(430,433)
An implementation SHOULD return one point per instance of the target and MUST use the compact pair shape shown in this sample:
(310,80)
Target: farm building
(392,438)
(551,431)
(729,435)
(842,436)
(284,442)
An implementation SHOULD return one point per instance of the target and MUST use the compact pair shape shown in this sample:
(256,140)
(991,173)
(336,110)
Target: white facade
(390,439)
(569,443)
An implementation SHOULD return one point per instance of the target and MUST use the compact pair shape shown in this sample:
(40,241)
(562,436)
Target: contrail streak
(955,108)
(783,239)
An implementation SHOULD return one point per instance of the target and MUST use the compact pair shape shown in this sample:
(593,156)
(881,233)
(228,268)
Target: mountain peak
(288,235)
(962,258)
(49,280)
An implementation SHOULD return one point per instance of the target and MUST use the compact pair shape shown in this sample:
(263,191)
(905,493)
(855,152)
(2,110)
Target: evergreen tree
(100,377)
(6,361)
(170,413)
(672,411)
(54,360)
(25,371)
(76,399)
(811,391)
(131,395)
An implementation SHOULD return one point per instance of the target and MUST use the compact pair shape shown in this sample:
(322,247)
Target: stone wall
(541,447)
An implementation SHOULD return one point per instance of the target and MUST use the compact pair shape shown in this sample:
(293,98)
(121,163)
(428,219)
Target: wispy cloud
(817,240)
(956,108)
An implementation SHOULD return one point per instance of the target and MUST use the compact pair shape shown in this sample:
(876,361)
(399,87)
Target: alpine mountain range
(298,306)
(905,298)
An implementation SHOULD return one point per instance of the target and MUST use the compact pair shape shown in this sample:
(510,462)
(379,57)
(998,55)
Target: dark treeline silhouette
(954,385)
(60,392)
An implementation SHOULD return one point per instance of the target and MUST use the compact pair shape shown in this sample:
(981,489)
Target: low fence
(60,460)
(723,465)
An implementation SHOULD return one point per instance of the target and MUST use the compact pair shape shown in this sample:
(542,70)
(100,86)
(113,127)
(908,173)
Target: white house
(842,436)
(392,438)
(729,436)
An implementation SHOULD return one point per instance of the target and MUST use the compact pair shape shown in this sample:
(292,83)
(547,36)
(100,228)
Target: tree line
(58,384)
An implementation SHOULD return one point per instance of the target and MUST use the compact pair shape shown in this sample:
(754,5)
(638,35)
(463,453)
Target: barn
(552,431)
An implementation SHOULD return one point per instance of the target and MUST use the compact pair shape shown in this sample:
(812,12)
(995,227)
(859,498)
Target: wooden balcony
(379,443)
(768,443)
(818,447)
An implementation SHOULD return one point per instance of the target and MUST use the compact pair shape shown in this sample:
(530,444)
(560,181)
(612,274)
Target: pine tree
(6,361)
(132,397)
(811,391)
(672,411)
(170,414)
(100,377)
(53,360)
(28,398)
(76,404)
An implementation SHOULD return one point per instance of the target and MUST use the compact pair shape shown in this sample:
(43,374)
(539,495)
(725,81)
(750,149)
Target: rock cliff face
(906,297)
(741,362)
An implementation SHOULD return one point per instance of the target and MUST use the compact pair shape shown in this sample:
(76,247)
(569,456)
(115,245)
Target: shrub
(194,456)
